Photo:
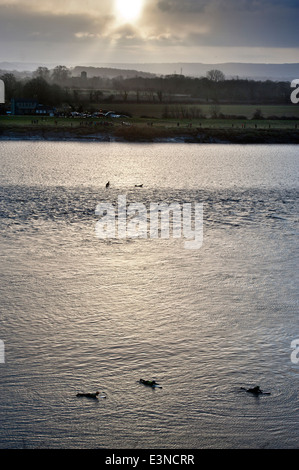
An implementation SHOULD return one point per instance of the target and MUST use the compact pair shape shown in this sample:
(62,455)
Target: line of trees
(58,86)
(37,88)
(205,89)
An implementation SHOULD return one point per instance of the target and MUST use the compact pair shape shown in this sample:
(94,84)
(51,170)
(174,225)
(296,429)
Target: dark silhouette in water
(138,185)
(107,185)
(88,395)
(150,383)
(255,391)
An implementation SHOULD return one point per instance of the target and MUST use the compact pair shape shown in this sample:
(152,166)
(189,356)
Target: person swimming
(255,391)
(107,185)
(88,395)
(150,383)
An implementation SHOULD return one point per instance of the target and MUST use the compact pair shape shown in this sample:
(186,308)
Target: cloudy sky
(72,32)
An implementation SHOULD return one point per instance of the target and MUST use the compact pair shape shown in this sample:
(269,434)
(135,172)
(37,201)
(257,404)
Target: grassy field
(149,128)
(152,114)
(157,110)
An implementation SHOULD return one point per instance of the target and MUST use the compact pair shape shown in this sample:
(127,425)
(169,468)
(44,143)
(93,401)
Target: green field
(183,113)
(147,124)
(149,130)
(157,110)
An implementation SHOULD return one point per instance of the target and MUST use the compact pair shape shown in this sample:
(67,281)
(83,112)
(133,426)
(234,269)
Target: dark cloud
(29,25)
(183,26)
(231,23)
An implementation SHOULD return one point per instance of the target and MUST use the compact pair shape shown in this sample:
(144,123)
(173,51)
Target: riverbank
(144,133)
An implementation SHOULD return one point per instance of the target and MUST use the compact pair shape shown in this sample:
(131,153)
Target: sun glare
(128,10)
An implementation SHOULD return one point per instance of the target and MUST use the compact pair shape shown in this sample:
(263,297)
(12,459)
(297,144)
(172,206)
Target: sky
(76,32)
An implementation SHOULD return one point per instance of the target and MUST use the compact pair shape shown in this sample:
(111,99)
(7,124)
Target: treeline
(36,88)
(57,87)
(181,88)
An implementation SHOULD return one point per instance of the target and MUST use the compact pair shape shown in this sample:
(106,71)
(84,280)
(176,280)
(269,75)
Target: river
(81,314)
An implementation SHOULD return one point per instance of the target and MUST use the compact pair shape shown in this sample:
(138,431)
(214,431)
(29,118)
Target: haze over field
(276,72)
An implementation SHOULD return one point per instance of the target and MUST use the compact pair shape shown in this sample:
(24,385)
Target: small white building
(2,92)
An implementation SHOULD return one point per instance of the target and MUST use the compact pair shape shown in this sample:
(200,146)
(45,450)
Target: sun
(128,10)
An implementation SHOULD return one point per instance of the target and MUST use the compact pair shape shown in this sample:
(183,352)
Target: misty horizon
(279,72)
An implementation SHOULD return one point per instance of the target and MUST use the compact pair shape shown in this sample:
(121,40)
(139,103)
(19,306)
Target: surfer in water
(88,395)
(255,391)
(150,383)
(107,185)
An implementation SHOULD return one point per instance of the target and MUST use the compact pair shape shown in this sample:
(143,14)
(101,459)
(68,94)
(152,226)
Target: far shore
(151,134)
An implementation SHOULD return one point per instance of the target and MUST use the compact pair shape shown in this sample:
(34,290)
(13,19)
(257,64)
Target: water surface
(83,314)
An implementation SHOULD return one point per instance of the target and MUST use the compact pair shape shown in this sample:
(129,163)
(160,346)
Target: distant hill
(275,72)
(21,69)
(23,66)
(109,72)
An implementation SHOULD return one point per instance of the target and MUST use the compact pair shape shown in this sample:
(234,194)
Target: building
(2,92)
(44,110)
(21,107)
